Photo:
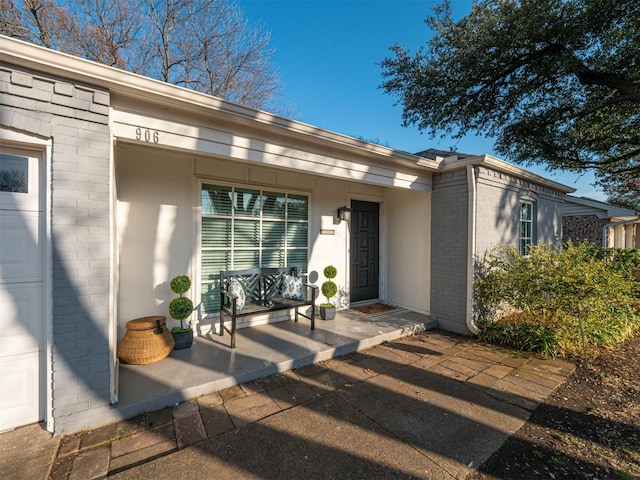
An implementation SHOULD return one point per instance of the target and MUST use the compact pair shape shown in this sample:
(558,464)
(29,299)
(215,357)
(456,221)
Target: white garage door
(22,339)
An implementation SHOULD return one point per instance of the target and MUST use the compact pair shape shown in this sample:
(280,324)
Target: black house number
(144,134)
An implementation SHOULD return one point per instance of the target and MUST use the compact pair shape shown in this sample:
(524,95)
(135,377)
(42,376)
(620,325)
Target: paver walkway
(433,405)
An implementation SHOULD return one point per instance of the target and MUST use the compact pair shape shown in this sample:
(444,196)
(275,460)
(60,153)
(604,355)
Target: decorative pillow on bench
(292,287)
(235,289)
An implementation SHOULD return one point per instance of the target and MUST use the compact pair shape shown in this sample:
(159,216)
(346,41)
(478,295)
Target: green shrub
(557,289)
(522,336)
(623,260)
(180,308)
(329,289)
(330,272)
(180,284)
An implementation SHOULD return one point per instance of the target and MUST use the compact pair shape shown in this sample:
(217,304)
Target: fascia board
(610,211)
(504,167)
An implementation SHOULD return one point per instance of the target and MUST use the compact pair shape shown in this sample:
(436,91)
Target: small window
(526,227)
(14,174)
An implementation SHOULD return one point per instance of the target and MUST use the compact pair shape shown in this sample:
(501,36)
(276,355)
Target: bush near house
(623,260)
(552,299)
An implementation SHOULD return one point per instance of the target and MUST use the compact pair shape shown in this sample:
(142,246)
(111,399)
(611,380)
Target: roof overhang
(453,162)
(604,210)
(124,86)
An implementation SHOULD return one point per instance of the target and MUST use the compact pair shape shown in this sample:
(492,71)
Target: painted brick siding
(449,250)
(76,118)
(579,228)
(498,198)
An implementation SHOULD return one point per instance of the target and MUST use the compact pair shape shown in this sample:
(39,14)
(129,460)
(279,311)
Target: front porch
(210,365)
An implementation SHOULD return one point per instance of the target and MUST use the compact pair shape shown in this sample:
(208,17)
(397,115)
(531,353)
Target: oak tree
(553,81)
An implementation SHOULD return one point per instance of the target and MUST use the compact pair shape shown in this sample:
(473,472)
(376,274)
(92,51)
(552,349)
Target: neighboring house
(600,223)
(120,182)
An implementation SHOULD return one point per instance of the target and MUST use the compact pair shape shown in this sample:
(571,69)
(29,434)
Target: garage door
(22,339)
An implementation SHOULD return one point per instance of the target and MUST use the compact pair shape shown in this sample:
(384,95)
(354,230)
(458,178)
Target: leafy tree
(554,81)
(204,45)
(623,190)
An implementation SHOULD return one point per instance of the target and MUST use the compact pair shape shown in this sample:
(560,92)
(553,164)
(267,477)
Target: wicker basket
(147,340)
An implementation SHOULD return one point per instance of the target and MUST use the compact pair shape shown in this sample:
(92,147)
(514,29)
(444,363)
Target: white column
(628,235)
(618,236)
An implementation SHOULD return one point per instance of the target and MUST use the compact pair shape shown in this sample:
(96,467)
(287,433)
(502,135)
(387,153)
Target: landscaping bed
(588,428)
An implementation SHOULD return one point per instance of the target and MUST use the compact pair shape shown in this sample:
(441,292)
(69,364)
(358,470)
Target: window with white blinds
(247,228)
(526,227)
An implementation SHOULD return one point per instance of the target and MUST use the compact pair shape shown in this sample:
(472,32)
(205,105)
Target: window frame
(522,227)
(261,219)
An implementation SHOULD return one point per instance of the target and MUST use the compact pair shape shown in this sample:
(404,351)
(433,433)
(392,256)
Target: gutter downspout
(114,273)
(606,226)
(471,245)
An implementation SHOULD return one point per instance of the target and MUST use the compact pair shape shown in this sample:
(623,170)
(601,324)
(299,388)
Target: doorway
(22,344)
(365,251)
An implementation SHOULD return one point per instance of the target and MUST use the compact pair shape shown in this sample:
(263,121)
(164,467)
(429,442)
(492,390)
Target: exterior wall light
(344,213)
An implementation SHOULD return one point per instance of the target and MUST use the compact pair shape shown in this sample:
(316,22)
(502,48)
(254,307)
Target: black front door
(365,268)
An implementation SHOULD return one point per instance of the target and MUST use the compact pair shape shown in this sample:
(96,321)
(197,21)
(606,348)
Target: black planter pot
(327,313)
(183,340)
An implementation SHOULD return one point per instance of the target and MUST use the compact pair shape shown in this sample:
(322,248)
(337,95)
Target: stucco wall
(158,198)
(409,246)
(155,229)
(76,118)
(158,215)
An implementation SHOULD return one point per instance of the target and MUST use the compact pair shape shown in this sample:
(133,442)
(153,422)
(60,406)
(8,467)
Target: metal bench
(262,289)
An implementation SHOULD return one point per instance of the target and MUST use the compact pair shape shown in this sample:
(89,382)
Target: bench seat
(262,289)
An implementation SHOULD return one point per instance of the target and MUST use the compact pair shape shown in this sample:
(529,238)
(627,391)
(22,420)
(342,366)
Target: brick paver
(251,409)
(144,439)
(519,379)
(99,436)
(189,429)
(90,464)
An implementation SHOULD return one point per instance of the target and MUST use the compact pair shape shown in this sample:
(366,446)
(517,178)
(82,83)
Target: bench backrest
(260,284)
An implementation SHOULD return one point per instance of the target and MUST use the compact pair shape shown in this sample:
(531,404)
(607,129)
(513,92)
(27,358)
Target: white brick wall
(449,250)
(498,200)
(498,197)
(75,118)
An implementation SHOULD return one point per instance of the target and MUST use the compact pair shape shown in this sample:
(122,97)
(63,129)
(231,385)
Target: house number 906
(147,135)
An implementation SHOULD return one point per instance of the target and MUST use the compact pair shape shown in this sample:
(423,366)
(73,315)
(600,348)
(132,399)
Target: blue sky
(327,53)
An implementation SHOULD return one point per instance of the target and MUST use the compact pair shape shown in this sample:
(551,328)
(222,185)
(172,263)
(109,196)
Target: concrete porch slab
(210,365)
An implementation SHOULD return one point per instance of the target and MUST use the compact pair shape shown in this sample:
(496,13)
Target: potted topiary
(329,289)
(180,308)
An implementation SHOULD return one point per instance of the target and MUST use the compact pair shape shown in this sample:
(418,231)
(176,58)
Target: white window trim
(200,181)
(530,221)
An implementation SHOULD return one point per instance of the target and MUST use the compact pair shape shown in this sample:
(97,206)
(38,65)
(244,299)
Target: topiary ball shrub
(330,272)
(180,284)
(329,289)
(180,308)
